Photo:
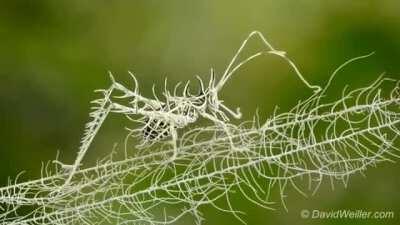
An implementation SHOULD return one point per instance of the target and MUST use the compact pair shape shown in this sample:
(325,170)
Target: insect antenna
(270,50)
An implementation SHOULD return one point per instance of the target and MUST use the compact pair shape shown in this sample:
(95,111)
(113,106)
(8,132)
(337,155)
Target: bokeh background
(53,54)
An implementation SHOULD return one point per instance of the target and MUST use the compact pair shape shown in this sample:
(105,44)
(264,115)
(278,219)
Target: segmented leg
(92,129)
(105,106)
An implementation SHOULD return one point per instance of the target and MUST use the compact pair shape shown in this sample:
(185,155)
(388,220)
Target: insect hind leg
(103,108)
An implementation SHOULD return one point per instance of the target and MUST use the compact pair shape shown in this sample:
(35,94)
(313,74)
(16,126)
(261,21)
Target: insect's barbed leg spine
(229,71)
(85,147)
(82,151)
(107,110)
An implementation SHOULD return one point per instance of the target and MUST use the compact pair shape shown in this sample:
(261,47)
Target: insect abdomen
(156,130)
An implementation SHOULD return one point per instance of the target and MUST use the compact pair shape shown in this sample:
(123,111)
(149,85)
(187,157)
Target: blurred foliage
(54,53)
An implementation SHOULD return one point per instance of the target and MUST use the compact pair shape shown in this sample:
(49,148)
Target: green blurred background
(53,54)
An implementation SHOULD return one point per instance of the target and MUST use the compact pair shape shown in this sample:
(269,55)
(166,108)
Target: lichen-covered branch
(298,149)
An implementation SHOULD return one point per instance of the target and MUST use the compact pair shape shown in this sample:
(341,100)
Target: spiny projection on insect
(160,119)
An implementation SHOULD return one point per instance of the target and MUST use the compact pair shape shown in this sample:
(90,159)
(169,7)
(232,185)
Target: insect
(161,119)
